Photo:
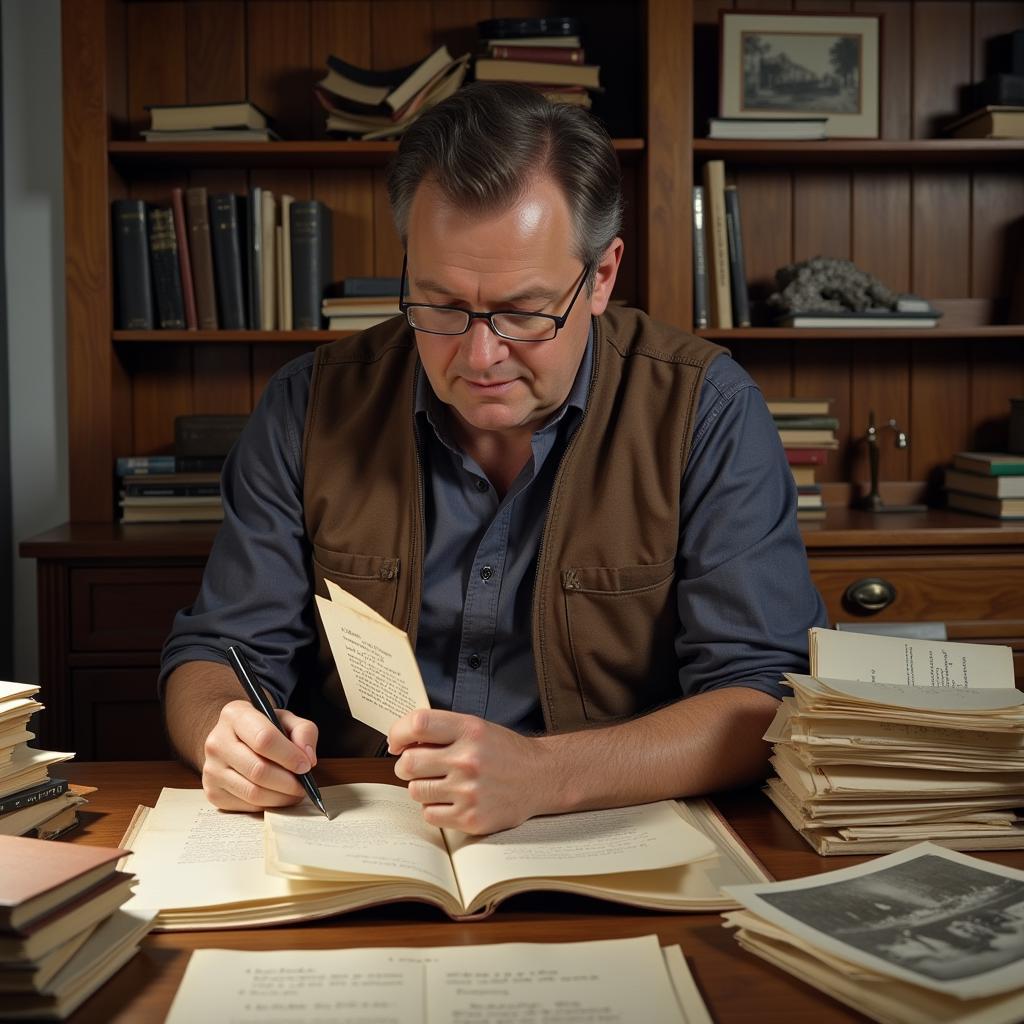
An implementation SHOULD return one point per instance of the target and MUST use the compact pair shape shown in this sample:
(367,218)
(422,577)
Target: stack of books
(990,122)
(924,936)
(987,483)
(31,803)
(543,53)
(911,312)
(208,122)
(720,297)
(259,262)
(774,128)
(808,434)
(357,314)
(62,930)
(363,103)
(891,741)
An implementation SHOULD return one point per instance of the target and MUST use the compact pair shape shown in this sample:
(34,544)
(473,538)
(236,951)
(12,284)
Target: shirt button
(474,661)
(482,485)
(486,572)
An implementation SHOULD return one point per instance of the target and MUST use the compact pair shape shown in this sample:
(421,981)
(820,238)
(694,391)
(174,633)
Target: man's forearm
(194,695)
(708,742)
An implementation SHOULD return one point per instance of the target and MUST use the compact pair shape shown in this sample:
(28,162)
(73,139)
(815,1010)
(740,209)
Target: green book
(806,422)
(990,463)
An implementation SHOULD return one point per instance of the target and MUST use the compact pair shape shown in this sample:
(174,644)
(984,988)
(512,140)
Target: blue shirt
(744,590)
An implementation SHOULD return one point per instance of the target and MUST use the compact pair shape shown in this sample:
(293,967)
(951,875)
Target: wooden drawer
(128,609)
(115,715)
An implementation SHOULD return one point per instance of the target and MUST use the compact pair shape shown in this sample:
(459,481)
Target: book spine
(718,245)
(700,267)
(287,320)
(163,253)
(311,261)
(541,54)
(132,464)
(131,266)
(16,801)
(268,262)
(255,262)
(198,216)
(227,259)
(142,490)
(737,273)
(184,258)
(196,464)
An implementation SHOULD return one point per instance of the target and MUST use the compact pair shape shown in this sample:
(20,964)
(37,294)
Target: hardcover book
(311,261)
(163,253)
(227,234)
(131,266)
(198,216)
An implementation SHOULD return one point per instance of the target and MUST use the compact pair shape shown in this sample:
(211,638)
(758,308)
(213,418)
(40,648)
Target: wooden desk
(736,985)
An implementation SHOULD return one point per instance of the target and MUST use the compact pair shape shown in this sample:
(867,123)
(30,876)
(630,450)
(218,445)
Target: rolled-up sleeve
(256,590)
(744,589)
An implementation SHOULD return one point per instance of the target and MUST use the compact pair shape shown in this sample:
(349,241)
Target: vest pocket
(371,578)
(621,624)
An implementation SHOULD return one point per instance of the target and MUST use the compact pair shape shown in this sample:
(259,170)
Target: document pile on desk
(63,929)
(615,981)
(204,868)
(30,801)
(924,936)
(891,741)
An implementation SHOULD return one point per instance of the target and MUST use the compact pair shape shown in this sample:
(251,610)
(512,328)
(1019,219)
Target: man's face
(518,259)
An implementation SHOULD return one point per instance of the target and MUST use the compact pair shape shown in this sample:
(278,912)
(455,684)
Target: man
(580,516)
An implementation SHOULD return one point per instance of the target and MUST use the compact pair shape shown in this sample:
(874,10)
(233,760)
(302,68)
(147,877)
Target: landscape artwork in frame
(802,65)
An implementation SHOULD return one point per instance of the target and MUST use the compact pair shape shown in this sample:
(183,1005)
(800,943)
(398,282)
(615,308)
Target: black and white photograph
(802,65)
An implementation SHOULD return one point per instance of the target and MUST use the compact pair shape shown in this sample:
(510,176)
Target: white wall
(34,253)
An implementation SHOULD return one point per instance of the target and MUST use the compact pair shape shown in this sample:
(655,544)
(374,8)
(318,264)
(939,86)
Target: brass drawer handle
(872,594)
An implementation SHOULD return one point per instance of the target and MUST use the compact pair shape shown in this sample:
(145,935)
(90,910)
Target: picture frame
(790,65)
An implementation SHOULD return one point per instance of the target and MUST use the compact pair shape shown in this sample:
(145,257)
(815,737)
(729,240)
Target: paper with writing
(375,660)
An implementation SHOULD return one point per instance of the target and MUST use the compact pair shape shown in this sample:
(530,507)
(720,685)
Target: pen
(246,677)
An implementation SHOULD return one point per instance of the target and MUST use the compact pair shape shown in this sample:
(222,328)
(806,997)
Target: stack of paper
(30,801)
(924,936)
(891,741)
(62,932)
(612,980)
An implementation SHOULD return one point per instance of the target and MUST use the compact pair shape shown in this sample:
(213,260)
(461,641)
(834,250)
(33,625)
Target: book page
(836,654)
(621,839)
(374,831)
(688,996)
(375,661)
(939,698)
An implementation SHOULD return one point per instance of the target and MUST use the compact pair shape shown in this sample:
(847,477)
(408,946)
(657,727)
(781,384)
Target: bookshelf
(924,214)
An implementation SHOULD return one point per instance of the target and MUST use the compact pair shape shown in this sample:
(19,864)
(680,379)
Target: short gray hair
(484,145)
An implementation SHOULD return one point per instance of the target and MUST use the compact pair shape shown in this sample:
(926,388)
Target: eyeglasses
(527,327)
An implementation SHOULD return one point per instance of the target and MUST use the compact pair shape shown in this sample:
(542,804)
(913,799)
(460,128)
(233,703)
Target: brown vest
(604,610)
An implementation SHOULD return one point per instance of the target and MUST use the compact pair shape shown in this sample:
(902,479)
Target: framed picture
(802,65)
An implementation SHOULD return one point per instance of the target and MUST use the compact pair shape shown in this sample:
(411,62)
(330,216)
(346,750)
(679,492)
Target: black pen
(246,677)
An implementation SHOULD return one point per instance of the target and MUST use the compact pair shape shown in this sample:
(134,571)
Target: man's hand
(469,774)
(250,765)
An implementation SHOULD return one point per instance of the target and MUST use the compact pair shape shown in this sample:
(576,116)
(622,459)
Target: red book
(807,456)
(543,54)
(184,261)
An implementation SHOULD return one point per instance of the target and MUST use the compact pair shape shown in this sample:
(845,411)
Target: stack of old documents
(892,741)
(924,936)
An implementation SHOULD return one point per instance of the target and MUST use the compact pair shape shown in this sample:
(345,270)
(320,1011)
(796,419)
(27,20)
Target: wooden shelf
(866,151)
(140,155)
(228,337)
(992,331)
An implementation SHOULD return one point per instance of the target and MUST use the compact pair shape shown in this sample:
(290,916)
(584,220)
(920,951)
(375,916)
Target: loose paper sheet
(375,661)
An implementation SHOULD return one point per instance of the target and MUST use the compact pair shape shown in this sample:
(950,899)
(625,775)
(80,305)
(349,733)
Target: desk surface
(736,985)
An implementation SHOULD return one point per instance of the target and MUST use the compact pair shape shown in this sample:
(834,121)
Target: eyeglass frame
(471,315)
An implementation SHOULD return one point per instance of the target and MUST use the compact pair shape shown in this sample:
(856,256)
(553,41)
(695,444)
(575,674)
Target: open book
(204,868)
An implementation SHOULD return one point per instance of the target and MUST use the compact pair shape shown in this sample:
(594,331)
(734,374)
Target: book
(131,266)
(138,465)
(531,31)
(812,456)
(991,122)
(227,232)
(376,848)
(197,210)
(719,288)
(216,136)
(780,407)
(631,979)
(809,501)
(157,484)
(987,486)
(805,422)
(737,269)
(254,265)
(795,128)
(184,258)
(543,54)
(917,937)
(197,116)
(285,248)
(880,319)
(268,262)
(311,261)
(170,501)
(556,42)
(207,435)
(370,287)
(163,256)
(33,794)
(811,437)
(997,508)
(356,323)
(360,307)
(701,315)
(488,70)
(990,463)
(177,514)
(803,476)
